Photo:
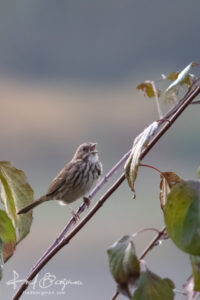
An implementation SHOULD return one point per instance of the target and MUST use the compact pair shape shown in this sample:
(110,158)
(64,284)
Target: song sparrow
(75,179)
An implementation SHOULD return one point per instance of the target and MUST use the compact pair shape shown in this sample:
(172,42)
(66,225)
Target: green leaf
(195,261)
(7,239)
(182,216)
(1,258)
(139,144)
(123,262)
(152,287)
(15,194)
(7,235)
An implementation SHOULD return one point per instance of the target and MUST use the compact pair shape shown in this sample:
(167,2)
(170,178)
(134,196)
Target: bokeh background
(68,73)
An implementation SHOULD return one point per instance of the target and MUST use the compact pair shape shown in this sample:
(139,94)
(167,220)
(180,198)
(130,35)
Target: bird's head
(87,151)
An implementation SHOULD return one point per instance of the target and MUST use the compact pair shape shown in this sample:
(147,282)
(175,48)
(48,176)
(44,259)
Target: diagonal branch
(83,206)
(94,192)
(174,113)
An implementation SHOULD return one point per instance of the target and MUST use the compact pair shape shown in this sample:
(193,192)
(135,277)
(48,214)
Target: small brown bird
(75,180)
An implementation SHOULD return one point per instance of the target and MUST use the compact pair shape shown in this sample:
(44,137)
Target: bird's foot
(87,201)
(75,216)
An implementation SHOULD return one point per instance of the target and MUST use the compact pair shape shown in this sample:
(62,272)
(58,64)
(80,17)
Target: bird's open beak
(93,148)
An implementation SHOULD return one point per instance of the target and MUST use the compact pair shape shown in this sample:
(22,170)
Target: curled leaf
(182,216)
(123,262)
(15,194)
(168,180)
(151,286)
(139,144)
(181,76)
(148,89)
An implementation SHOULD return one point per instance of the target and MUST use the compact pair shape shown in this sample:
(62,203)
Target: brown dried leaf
(139,144)
(148,90)
(168,180)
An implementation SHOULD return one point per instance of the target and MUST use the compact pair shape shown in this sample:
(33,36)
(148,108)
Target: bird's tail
(32,205)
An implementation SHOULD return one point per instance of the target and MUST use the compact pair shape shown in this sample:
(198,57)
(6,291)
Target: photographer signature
(45,282)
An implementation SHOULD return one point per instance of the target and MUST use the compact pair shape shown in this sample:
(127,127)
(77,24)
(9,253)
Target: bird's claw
(75,216)
(87,201)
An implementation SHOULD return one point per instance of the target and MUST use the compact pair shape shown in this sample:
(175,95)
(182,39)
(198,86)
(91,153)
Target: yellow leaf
(147,88)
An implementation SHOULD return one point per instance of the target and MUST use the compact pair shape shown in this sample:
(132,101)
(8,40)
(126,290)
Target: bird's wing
(58,181)
(67,174)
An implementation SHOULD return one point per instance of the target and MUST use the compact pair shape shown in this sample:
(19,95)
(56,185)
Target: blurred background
(68,74)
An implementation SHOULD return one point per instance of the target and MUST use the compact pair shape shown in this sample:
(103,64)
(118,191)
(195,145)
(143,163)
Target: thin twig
(152,243)
(196,102)
(156,169)
(115,295)
(152,167)
(145,230)
(194,91)
(157,99)
(179,292)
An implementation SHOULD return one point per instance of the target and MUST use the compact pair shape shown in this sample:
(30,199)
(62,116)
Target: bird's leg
(75,216)
(87,201)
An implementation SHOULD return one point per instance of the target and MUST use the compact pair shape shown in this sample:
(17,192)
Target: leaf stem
(152,243)
(115,295)
(144,230)
(152,167)
(157,99)
(196,102)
